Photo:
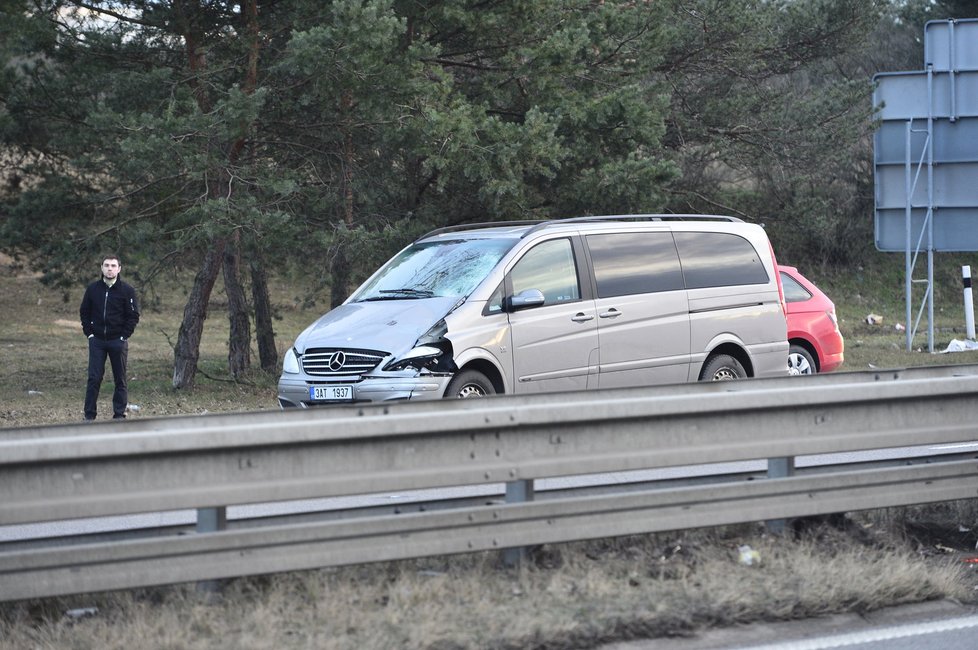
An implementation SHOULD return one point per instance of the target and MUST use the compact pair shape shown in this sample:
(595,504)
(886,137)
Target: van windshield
(436,269)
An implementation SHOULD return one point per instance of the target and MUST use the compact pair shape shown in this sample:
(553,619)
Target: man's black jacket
(109,312)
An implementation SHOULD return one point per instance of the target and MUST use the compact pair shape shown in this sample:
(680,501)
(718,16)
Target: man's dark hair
(111,256)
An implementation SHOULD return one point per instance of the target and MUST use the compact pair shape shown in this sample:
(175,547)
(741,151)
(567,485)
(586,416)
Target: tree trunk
(187,350)
(349,158)
(339,270)
(339,273)
(267,353)
(239,341)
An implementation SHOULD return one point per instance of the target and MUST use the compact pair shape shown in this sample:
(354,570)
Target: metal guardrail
(209,462)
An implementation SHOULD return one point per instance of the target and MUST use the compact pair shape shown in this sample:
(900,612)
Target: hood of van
(386,325)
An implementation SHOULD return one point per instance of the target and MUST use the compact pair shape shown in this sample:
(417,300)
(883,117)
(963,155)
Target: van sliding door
(643,314)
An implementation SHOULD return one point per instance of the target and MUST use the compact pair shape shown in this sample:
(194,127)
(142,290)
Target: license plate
(331,393)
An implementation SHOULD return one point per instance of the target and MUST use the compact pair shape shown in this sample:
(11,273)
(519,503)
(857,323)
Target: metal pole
(930,209)
(930,291)
(908,267)
(517,492)
(779,468)
(211,520)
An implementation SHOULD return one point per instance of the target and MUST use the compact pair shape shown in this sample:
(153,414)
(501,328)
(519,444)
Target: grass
(45,355)
(878,287)
(573,596)
(568,595)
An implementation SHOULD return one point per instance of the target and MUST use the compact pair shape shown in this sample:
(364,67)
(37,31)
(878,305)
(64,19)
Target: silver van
(572,304)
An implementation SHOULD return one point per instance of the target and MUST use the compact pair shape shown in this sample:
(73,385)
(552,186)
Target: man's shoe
(119,416)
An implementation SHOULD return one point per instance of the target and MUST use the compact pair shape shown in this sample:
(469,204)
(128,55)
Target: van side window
(549,267)
(631,263)
(718,259)
(495,304)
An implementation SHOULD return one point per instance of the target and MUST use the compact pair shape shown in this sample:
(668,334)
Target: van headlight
(434,335)
(291,362)
(418,358)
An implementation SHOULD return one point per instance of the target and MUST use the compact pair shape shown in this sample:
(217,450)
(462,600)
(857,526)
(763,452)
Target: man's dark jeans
(117,351)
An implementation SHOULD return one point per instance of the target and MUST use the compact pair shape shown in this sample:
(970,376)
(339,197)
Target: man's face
(111,268)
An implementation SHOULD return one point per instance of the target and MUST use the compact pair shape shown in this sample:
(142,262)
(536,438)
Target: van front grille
(335,362)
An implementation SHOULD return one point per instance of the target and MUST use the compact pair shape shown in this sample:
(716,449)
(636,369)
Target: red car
(815,341)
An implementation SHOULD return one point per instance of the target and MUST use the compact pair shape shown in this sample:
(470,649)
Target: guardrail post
(779,468)
(517,492)
(211,520)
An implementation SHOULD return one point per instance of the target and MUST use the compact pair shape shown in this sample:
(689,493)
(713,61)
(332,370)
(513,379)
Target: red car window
(794,292)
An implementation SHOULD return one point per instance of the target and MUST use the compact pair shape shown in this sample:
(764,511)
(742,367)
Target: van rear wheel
(470,383)
(722,367)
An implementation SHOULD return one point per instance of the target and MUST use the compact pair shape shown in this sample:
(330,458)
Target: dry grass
(878,287)
(573,595)
(45,355)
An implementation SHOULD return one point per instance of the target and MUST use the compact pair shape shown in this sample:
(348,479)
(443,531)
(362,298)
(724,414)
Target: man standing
(109,314)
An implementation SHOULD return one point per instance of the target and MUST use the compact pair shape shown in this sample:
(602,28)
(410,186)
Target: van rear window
(718,259)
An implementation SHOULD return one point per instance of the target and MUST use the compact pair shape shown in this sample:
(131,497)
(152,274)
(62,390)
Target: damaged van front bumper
(300,393)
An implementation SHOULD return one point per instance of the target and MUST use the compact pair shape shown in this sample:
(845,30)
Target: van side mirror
(526,299)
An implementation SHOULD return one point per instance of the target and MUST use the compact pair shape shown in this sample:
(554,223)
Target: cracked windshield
(436,269)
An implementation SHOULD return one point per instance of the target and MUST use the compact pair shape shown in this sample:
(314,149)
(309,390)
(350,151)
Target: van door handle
(582,317)
(611,313)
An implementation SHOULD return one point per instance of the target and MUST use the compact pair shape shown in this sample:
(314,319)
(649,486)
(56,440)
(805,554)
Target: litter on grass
(748,556)
(961,346)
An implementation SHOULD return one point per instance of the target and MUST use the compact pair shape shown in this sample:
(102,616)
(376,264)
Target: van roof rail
(487,224)
(635,217)
(540,224)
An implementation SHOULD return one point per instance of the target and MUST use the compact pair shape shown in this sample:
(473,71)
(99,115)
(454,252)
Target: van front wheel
(469,383)
(722,367)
